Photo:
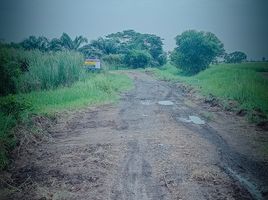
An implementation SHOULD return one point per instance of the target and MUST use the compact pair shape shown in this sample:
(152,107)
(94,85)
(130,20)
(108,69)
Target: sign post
(92,64)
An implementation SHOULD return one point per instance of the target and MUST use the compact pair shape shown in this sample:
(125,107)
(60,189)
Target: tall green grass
(50,70)
(243,83)
(95,89)
(25,71)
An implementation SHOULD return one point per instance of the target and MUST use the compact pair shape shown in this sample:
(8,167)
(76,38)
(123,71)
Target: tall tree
(66,42)
(130,40)
(196,50)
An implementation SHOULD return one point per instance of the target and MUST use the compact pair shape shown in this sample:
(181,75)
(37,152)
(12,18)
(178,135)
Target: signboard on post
(92,64)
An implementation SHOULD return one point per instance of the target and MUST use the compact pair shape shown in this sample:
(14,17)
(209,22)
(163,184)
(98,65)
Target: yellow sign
(90,63)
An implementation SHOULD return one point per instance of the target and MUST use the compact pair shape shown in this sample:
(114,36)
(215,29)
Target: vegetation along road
(156,143)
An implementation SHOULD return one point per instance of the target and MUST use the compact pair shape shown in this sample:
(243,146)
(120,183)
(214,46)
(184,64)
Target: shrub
(11,110)
(113,59)
(162,59)
(13,105)
(137,58)
(12,65)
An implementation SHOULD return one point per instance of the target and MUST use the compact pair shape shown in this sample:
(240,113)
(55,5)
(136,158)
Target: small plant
(137,59)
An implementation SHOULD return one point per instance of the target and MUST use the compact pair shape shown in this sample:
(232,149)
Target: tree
(55,45)
(137,58)
(65,42)
(235,57)
(126,43)
(130,40)
(196,50)
(99,48)
(41,43)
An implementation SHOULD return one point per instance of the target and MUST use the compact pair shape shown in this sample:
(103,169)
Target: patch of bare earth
(140,149)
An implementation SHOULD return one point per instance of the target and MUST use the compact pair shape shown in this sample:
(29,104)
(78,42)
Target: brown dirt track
(139,150)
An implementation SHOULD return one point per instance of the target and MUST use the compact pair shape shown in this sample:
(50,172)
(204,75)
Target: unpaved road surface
(141,150)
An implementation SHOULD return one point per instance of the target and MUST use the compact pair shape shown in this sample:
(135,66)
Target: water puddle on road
(146,102)
(166,103)
(193,119)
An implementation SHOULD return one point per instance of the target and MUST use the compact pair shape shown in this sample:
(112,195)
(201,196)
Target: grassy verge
(243,83)
(95,89)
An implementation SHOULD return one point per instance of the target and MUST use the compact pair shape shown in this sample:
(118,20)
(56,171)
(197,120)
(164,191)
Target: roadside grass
(243,83)
(50,70)
(7,141)
(94,89)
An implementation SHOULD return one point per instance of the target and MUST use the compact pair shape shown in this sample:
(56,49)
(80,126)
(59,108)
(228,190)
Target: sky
(240,24)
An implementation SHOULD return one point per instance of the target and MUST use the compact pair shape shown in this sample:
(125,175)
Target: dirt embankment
(179,148)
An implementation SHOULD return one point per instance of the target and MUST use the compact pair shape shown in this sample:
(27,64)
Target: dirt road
(143,149)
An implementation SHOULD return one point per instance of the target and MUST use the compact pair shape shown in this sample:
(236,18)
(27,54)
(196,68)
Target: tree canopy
(196,50)
(43,44)
(128,43)
(235,57)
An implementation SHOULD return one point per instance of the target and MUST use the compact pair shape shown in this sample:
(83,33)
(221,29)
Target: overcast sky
(240,24)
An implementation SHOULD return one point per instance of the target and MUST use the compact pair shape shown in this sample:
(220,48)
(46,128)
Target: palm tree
(67,43)
(78,41)
(41,43)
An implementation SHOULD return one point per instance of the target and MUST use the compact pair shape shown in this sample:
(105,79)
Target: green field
(244,83)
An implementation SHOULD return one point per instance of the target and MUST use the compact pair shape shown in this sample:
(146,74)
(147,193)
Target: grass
(26,71)
(94,89)
(50,70)
(243,83)
(7,141)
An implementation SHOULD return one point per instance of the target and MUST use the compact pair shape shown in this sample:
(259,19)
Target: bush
(162,59)
(13,106)
(11,110)
(137,58)
(196,50)
(12,64)
(113,59)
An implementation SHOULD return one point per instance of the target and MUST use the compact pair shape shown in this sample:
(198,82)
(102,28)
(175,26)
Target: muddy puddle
(166,103)
(192,119)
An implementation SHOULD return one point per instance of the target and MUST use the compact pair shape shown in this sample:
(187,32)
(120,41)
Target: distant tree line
(235,57)
(194,52)
(123,48)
